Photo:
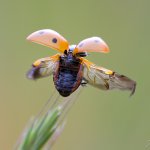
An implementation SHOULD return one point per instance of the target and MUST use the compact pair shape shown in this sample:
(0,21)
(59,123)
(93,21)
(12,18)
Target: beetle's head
(71,51)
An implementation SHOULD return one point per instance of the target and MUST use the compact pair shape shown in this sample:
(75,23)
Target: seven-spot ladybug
(70,69)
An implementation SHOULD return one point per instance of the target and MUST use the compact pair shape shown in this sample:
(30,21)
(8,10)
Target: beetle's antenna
(81,54)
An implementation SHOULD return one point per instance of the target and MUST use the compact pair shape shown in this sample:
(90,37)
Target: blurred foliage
(103,120)
(43,131)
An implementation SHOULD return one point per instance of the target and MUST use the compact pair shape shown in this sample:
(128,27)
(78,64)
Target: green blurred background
(99,120)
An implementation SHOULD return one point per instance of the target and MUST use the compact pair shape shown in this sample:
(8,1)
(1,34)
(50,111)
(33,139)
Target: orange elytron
(69,67)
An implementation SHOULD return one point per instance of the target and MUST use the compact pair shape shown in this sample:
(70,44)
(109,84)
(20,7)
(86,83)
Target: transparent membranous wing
(106,79)
(43,67)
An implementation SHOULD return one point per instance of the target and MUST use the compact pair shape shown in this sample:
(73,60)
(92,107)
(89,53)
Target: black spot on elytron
(80,45)
(96,41)
(54,40)
(41,32)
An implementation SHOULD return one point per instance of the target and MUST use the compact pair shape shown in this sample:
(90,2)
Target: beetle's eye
(65,52)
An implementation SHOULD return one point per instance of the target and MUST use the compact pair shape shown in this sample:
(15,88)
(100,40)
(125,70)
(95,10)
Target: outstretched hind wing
(43,67)
(106,79)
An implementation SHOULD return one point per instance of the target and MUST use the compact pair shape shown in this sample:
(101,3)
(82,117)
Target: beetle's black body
(68,74)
